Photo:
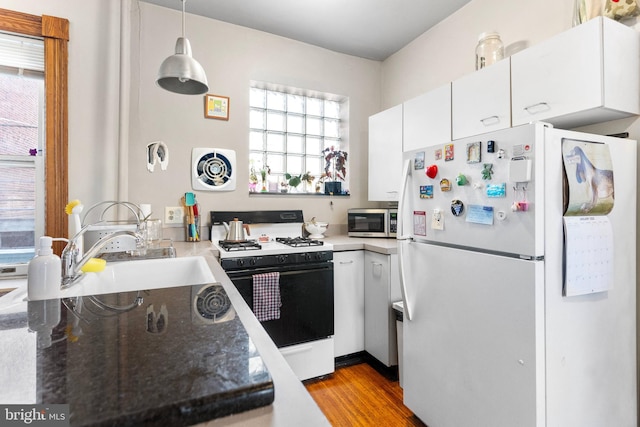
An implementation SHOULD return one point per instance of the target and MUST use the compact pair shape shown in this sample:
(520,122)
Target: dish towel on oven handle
(266,296)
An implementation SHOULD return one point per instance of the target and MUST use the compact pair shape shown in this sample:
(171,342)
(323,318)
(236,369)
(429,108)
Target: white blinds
(21,52)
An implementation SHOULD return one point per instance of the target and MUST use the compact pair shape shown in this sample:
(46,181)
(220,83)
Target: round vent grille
(213,169)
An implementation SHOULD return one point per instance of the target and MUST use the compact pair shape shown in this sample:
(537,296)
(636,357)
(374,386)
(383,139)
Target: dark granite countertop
(159,363)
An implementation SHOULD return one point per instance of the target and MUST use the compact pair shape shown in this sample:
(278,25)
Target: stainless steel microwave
(372,222)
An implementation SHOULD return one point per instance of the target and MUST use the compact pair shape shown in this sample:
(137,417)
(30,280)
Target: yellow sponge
(94,265)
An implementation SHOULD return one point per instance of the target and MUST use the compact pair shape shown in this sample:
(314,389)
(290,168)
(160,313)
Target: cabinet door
(349,302)
(481,101)
(574,78)
(385,154)
(427,119)
(379,338)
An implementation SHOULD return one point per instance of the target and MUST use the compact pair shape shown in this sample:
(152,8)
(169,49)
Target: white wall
(447,51)
(94,33)
(233,56)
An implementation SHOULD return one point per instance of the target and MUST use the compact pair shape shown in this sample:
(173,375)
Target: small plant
(307,177)
(264,172)
(293,180)
(335,166)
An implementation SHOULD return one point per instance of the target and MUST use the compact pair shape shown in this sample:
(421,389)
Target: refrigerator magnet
(461,179)
(426,191)
(448,152)
(432,171)
(437,220)
(418,163)
(497,190)
(437,154)
(419,223)
(457,207)
(487,170)
(445,184)
(473,152)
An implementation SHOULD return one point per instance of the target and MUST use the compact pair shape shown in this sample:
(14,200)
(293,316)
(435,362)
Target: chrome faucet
(71,261)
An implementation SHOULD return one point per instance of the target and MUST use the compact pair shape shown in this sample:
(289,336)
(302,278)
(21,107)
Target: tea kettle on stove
(235,231)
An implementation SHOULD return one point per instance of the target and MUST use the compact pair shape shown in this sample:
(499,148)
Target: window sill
(271,194)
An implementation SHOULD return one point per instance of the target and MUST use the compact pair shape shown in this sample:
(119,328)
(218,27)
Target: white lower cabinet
(349,302)
(381,289)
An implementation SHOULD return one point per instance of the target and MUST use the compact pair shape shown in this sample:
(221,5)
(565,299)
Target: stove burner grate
(239,246)
(299,241)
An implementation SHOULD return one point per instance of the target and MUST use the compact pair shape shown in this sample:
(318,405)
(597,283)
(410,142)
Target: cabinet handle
(377,268)
(491,120)
(534,108)
(346,262)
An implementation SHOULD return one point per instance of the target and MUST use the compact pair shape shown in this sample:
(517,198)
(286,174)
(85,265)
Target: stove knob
(240,262)
(319,256)
(253,261)
(307,257)
(282,258)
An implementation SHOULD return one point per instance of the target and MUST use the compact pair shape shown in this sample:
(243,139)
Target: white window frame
(258,158)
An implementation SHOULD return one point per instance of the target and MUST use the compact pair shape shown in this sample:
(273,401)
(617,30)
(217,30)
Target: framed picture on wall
(216,107)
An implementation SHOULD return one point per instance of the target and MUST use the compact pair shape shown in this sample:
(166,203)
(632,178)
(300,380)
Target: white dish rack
(103,228)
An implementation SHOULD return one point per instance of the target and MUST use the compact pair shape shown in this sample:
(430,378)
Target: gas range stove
(272,243)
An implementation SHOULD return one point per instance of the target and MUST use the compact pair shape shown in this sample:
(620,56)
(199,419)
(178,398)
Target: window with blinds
(21,149)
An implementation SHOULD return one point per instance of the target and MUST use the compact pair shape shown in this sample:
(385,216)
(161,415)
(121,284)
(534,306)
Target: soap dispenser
(44,274)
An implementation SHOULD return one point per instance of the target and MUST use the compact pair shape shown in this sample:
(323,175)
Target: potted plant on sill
(263,174)
(253,179)
(335,169)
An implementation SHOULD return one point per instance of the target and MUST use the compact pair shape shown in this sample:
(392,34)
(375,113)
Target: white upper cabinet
(427,119)
(586,75)
(481,101)
(385,154)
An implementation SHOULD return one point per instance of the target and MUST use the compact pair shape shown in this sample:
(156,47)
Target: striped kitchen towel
(266,296)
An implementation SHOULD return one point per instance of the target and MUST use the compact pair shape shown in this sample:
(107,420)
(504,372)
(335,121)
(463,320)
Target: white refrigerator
(518,277)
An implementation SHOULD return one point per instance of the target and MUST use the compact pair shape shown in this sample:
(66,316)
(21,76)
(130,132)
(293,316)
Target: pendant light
(180,73)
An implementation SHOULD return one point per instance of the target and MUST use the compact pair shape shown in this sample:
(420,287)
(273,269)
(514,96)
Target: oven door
(306,292)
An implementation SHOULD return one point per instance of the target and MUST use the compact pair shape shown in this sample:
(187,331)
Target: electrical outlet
(173,216)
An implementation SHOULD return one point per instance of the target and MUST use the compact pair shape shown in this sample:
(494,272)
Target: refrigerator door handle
(408,308)
(402,239)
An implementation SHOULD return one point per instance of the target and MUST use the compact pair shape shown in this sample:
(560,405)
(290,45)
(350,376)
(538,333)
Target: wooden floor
(358,395)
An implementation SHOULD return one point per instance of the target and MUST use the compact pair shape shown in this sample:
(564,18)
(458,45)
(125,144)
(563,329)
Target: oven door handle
(248,274)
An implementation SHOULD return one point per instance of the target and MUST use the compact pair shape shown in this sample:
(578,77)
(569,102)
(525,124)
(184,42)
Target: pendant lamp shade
(180,73)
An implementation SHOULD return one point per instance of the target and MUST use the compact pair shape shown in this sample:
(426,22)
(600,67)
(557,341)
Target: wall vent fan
(213,169)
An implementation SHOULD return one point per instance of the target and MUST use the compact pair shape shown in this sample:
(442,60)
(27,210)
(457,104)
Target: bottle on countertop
(489,50)
(44,274)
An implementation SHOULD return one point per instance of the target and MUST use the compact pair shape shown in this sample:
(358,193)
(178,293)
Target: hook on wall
(157,152)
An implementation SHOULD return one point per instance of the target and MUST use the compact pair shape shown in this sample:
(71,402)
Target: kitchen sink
(153,253)
(142,274)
